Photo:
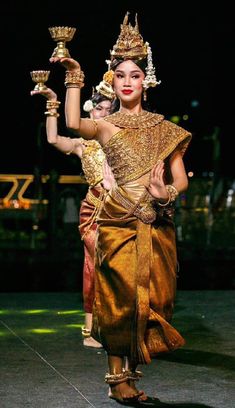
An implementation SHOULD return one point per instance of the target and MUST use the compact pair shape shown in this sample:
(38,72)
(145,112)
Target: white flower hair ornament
(150,80)
(88,106)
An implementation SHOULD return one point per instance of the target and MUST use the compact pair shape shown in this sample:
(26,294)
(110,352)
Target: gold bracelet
(78,85)
(172,191)
(172,194)
(74,77)
(50,113)
(166,203)
(53,104)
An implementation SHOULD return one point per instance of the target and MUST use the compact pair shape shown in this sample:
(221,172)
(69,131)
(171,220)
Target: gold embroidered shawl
(92,161)
(143,140)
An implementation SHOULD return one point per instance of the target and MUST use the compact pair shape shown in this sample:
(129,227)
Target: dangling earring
(145,95)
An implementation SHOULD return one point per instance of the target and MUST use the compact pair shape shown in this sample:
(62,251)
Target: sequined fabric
(130,154)
(92,161)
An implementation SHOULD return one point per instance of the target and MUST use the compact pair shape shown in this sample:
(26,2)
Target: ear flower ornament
(88,106)
(150,80)
(105,86)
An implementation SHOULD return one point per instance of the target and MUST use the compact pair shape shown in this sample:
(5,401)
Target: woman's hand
(157,187)
(48,93)
(108,178)
(69,64)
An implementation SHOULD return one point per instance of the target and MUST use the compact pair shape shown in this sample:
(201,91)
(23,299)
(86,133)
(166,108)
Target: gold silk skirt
(135,281)
(87,227)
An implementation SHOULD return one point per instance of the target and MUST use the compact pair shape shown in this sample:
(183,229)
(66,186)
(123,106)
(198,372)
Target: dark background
(193,52)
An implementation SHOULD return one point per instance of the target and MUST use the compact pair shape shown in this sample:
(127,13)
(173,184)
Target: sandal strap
(116,378)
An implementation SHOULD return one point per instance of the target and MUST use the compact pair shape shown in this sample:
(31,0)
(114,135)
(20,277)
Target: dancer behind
(136,258)
(99,177)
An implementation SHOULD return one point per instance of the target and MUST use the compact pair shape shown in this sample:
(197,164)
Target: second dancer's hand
(48,93)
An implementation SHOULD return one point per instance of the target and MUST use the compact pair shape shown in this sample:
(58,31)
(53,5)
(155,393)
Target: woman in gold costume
(99,178)
(136,257)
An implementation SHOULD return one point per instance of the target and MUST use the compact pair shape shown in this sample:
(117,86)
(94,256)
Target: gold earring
(145,95)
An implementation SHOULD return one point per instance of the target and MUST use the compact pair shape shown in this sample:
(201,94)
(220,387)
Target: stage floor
(43,363)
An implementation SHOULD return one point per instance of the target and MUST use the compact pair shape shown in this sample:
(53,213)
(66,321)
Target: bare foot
(90,342)
(123,392)
(141,393)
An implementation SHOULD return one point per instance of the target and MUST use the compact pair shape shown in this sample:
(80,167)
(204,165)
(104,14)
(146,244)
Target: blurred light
(190,174)
(185,117)
(69,312)
(4,311)
(36,311)
(42,331)
(175,119)
(194,103)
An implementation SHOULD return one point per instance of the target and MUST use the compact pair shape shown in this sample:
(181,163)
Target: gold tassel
(145,95)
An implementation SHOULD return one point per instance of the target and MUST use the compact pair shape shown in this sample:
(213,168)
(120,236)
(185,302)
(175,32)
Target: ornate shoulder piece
(141,120)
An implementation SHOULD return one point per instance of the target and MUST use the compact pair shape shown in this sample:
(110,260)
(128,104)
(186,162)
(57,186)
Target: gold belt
(92,199)
(96,201)
(142,209)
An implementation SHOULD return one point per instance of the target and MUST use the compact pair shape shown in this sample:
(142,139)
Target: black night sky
(193,52)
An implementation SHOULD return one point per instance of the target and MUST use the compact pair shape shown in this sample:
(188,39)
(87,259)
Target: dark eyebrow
(132,72)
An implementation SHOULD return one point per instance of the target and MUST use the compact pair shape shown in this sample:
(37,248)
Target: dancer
(136,258)
(99,178)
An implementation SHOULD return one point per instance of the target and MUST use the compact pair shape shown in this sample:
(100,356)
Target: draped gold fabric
(87,227)
(92,160)
(136,255)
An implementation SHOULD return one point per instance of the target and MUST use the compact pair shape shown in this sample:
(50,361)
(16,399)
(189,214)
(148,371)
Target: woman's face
(128,78)
(101,110)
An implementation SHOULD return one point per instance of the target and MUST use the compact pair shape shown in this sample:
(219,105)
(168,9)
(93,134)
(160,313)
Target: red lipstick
(127,91)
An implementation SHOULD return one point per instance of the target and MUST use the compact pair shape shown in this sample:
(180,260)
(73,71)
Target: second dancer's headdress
(104,88)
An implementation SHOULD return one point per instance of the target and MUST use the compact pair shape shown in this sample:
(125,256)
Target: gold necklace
(140,120)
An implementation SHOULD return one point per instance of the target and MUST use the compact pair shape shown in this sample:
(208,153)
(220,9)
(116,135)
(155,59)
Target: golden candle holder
(61,35)
(40,77)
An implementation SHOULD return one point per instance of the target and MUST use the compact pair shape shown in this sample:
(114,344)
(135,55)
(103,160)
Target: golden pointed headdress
(130,44)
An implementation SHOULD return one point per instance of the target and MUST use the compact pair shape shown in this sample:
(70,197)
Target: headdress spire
(130,44)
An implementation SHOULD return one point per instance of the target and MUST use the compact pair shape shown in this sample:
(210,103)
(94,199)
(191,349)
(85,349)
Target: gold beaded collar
(141,120)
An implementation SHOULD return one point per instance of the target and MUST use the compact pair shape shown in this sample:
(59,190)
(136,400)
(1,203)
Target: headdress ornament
(130,45)
(105,86)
